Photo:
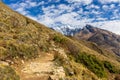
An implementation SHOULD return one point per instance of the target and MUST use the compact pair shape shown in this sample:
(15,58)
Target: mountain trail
(43,68)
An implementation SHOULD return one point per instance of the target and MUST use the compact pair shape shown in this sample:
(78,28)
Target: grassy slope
(23,38)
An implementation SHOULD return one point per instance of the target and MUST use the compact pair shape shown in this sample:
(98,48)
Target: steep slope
(103,38)
(35,52)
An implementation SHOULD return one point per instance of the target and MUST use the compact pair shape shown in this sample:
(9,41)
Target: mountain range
(106,39)
(65,29)
(31,51)
(103,38)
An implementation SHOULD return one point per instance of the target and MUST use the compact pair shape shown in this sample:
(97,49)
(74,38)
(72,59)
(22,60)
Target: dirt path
(41,69)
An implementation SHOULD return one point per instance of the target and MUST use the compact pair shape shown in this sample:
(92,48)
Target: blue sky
(100,13)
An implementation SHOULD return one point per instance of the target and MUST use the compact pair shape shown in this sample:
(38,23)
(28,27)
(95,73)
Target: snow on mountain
(66,29)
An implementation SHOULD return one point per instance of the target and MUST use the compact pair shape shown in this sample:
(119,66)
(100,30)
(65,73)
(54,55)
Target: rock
(10,62)
(22,61)
(49,78)
(4,63)
(117,77)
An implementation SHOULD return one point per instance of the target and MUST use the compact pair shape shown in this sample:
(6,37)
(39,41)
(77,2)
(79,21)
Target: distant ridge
(104,38)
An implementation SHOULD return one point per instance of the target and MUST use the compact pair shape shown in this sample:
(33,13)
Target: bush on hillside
(110,67)
(7,73)
(58,39)
(92,63)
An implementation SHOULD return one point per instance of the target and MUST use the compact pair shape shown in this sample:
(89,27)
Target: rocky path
(42,68)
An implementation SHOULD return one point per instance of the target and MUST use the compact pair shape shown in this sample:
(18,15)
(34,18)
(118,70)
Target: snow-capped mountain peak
(66,29)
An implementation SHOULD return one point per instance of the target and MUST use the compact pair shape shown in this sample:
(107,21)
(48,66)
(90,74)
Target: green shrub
(7,73)
(110,67)
(3,52)
(58,39)
(92,63)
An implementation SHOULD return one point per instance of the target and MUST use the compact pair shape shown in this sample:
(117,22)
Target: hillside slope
(31,51)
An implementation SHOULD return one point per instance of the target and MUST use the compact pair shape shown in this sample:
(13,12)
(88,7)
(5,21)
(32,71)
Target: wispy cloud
(108,1)
(72,12)
(112,26)
(86,2)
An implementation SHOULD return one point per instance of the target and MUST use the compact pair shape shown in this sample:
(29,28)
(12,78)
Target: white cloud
(25,4)
(24,12)
(67,18)
(32,17)
(32,4)
(92,6)
(112,6)
(116,14)
(65,7)
(101,19)
(80,1)
(46,20)
(96,12)
(113,26)
(53,0)
(41,3)
(105,7)
(65,14)
(108,7)
(80,11)
(54,14)
(57,0)
(108,1)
